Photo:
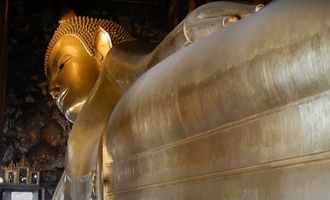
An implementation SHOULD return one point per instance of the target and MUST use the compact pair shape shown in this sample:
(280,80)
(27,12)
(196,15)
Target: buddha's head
(74,59)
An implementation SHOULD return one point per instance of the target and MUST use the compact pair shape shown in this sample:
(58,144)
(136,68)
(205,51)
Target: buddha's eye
(66,59)
(61,66)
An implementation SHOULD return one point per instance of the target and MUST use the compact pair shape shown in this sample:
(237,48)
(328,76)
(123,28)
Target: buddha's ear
(103,44)
(67,14)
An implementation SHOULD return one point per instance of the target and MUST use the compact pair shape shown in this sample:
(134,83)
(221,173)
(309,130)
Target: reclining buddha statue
(81,70)
(231,105)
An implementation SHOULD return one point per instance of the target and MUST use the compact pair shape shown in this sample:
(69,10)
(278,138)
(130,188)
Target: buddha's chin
(72,111)
(70,116)
(69,109)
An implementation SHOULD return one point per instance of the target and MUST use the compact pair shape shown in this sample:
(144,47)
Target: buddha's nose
(54,90)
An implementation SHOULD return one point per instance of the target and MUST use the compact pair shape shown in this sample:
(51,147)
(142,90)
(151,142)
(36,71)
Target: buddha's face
(72,73)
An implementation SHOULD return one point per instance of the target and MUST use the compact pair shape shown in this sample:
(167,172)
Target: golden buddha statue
(101,79)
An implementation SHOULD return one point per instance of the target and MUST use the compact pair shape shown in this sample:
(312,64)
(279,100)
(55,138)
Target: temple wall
(3,56)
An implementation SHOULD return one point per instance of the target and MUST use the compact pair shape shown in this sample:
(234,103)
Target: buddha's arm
(199,24)
(131,59)
(214,17)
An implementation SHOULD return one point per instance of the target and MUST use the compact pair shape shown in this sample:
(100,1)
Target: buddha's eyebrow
(65,59)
